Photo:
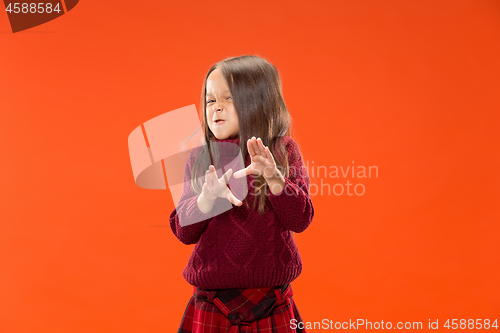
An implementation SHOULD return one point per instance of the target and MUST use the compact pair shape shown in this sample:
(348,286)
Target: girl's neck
(228,147)
(233,140)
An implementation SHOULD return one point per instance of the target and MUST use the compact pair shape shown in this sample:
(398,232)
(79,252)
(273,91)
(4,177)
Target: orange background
(410,87)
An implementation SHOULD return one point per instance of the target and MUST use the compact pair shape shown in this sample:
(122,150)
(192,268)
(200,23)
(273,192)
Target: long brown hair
(257,95)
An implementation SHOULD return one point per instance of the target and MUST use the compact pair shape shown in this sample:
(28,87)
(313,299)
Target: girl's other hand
(215,187)
(262,161)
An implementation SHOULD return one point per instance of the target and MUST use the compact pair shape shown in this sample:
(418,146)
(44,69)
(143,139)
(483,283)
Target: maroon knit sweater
(240,248)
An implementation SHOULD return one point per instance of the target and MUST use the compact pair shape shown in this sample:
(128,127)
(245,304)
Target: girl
(245,257)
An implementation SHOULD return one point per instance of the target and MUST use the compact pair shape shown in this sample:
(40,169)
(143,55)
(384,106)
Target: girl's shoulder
(192,155)
(289,143)
(294,155)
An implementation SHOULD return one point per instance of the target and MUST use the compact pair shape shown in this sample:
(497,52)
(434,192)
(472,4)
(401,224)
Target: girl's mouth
(219,122)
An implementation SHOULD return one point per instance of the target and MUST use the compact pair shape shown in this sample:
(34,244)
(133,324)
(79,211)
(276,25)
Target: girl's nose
(217,107)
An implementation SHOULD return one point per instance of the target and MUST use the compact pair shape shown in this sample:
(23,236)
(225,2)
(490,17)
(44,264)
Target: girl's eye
(210,101)
(229,97)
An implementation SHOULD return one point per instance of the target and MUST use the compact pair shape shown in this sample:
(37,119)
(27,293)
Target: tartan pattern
(259,310)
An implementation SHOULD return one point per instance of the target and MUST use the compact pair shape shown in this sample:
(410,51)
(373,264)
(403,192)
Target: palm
(260,165)
(218,189)
(215,187)
(262,161)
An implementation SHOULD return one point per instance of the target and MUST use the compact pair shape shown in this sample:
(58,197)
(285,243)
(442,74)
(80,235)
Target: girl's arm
(293,204)
(187,221)
(188,234)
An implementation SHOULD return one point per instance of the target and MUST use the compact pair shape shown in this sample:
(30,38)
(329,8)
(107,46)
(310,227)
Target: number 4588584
(470,324)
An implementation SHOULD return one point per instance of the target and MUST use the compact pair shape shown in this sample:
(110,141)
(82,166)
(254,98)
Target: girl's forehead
(216,83)
(217,86)
(211,92)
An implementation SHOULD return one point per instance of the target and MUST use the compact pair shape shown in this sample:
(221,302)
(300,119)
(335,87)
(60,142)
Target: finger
(242,173)
(213,176)
(235,201)
(255,147)
(225,177)
(250,147)
(205,189)
(207,178)
(268,154)
(260,146)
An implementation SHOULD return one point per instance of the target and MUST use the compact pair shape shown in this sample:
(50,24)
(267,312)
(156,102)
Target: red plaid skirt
(257,310)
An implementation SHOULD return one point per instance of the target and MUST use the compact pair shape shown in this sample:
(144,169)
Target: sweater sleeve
(186,220)
(293,204)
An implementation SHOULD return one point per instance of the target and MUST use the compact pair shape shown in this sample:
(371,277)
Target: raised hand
(262,162)
(217,187)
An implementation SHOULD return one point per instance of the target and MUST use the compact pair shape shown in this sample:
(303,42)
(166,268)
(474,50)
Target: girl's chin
(224,137)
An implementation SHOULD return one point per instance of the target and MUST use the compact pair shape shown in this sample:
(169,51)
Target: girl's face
(221,115)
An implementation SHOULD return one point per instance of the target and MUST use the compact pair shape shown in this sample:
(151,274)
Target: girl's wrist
(205,205)
(277,175)
(276,183)
(203,197)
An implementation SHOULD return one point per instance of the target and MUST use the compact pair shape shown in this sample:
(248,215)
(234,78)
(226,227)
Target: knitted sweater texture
(241,248)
